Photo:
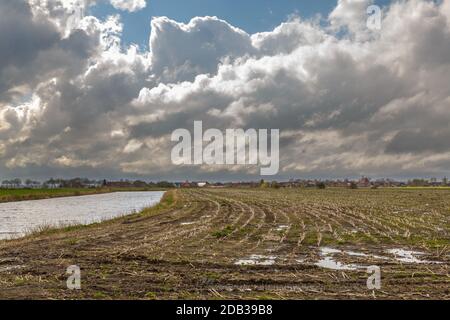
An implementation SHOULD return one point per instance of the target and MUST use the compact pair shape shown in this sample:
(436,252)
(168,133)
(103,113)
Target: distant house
(364,182)
(186,184)
(202,184)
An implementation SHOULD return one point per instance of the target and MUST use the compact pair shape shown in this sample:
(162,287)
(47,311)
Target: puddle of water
(364,255)
(256,259)
(282,227)
(402,255)
(356,254)
(328,251)
(409,256)
(187,223)
(328,262)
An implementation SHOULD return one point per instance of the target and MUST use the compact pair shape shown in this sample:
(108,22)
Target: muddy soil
(246,244)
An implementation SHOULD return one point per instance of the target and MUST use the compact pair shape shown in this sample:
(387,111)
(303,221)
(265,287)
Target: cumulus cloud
(348,100)
(350,15)
(182,51)
(129,5)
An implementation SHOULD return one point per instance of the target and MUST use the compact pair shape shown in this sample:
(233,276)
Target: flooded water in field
(256,259)
(408,256)
(327,260)
(18,218)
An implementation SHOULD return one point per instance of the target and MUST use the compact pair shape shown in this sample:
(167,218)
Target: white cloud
(350,15)
(129,5)
(182,51)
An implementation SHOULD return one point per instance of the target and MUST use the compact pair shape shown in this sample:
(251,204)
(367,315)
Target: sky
(251,16)
(95,88)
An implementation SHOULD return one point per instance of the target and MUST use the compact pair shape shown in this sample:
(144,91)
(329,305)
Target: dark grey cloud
(420,141)
(22,39)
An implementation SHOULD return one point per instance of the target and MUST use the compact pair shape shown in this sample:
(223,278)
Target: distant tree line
(83,183)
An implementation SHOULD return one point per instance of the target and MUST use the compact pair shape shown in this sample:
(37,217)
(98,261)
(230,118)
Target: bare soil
(245,244)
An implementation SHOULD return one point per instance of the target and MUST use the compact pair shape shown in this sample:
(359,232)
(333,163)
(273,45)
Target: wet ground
(256,244)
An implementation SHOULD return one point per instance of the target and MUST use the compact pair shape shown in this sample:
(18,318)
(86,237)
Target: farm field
(246,244)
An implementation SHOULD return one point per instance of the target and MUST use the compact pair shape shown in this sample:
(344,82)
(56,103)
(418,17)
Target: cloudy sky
(96,87)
